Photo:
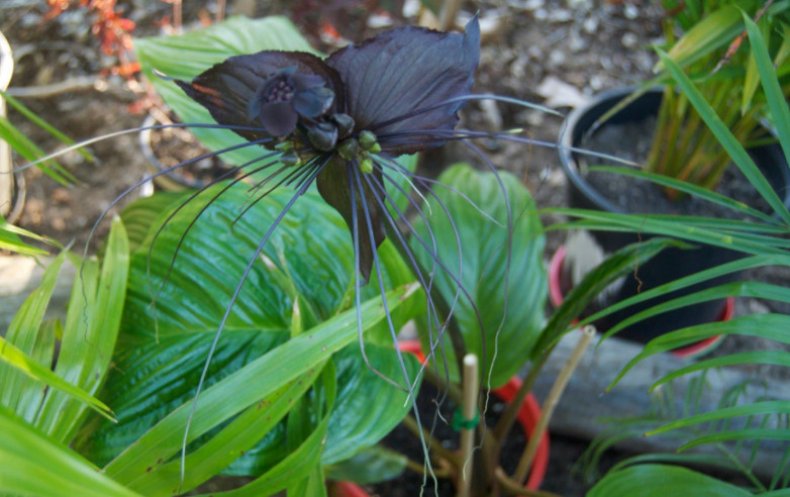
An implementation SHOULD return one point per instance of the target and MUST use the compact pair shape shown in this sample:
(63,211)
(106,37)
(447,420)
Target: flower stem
(555,393)
(469,411)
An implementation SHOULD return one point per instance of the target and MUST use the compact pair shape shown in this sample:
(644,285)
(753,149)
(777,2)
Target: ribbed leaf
(358,422)
(369,466)
(306,261)
(185,56)
(245,387)
(500,271)
(140,215)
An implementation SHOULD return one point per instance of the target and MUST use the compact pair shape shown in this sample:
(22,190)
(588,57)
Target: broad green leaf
(308,259)
(140,215)
(656,480)
(154,379)
(489,271)
(255,381)
(185,56)
(308,253)
(367,408)
(34,466)
(369,466)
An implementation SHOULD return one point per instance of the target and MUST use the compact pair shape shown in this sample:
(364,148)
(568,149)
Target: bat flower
(343,119)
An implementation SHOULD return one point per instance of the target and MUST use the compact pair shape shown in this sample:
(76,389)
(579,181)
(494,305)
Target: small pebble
(629,40)
(577,43)
(590,25)
(61,196)
(631,11)
(557,57)
(560,15)
(533,5)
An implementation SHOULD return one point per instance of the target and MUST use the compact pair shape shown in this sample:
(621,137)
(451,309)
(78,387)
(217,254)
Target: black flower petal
(232,90)
(402,71)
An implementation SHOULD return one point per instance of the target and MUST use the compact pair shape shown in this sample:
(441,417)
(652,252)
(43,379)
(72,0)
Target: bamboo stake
(469,412)
(551,402)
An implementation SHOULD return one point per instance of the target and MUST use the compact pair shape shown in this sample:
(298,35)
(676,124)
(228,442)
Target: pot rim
(568,157)
(557,296)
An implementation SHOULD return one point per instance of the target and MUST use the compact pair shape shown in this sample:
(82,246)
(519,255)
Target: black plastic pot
(670,264)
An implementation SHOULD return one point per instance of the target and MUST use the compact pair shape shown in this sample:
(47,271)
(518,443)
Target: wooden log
(586,410)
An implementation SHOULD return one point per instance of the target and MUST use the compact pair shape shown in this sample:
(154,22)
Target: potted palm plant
(659,129)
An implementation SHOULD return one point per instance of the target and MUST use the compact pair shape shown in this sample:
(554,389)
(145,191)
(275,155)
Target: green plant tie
(459,422)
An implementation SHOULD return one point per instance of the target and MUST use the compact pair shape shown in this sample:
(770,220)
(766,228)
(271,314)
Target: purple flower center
(278,89)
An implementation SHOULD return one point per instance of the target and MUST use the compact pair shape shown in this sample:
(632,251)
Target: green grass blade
(754,409)
(21,362)
(751,434)
(775,98)
(702,276)
(27,149)
(10,239)
(89,336)
(713,31)
(41,123)
(296,466)
(735,149)
(618,264)
(23,333)
(34,466)
(226,446)
(770,357)
(670,226)
(753,289)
